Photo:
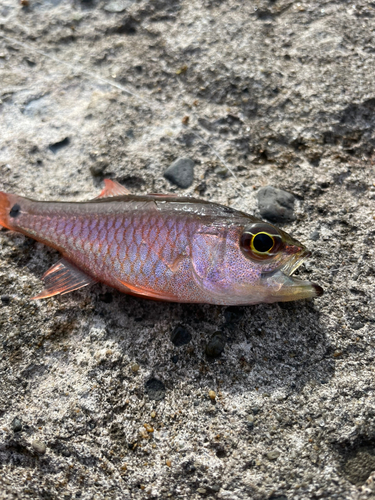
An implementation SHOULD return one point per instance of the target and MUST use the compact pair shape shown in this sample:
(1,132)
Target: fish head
(251,263)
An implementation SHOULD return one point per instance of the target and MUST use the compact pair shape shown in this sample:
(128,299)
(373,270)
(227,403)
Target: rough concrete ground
(283,92)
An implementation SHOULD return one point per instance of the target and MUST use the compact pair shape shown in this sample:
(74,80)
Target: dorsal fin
(63,277)
(112,188)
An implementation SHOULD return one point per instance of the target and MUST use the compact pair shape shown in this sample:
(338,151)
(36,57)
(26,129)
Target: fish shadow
(267,346)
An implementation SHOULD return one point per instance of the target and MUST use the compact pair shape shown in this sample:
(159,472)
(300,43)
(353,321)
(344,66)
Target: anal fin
(112,188)
(62,278)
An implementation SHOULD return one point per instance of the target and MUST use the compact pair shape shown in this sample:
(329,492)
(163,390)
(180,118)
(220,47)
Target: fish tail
(10,209)
(5,208)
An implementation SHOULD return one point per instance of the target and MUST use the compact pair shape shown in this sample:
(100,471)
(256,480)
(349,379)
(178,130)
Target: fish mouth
(285,287)
(295,261)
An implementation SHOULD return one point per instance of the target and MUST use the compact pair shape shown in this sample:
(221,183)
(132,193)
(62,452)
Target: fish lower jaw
(284,288)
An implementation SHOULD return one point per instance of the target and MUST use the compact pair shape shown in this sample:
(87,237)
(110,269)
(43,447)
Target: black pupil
(262,242)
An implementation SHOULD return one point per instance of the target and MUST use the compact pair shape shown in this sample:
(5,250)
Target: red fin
(63,277)
(112,188)
(4,210)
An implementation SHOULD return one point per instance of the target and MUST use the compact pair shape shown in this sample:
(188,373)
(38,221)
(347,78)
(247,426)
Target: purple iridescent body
(161,247)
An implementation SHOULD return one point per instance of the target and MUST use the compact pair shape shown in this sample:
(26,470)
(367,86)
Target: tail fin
(5,207)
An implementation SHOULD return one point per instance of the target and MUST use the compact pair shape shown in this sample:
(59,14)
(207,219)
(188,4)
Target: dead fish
(162,247)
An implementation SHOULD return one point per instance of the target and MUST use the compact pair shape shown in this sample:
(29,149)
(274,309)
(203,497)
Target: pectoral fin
(62,278)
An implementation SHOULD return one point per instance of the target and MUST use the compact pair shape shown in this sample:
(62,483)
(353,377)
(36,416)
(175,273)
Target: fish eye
(260,241)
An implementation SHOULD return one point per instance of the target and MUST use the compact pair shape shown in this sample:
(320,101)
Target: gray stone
(273,455)
(39,447)
(216,345)
(275,204)
(357,325)
(180,336)
(181,172)
(314,236)
(116,6)
(16,425)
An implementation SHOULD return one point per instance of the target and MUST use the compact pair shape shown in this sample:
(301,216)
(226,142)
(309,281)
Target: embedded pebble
(16,425)
(357,325)
(212,395)
(118,5)
(5,299)
(216,345)
(314,236)
(275,204)
(181,173)
(273,455)
(39,446)
(180,336)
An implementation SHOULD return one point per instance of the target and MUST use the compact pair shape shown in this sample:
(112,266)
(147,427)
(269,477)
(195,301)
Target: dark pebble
(181,173)
(180,336)
(91,425)
(275,204)
(155,389)
(5,299)
(66,453)
(357,325)
(16,425)
(174,359)
(216,345)
(314,236)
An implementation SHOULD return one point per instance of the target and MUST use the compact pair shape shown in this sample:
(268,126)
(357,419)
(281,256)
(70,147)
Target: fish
(162,247)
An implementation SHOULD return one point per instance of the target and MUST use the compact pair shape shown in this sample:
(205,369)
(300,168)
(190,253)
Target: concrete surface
(95,400)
